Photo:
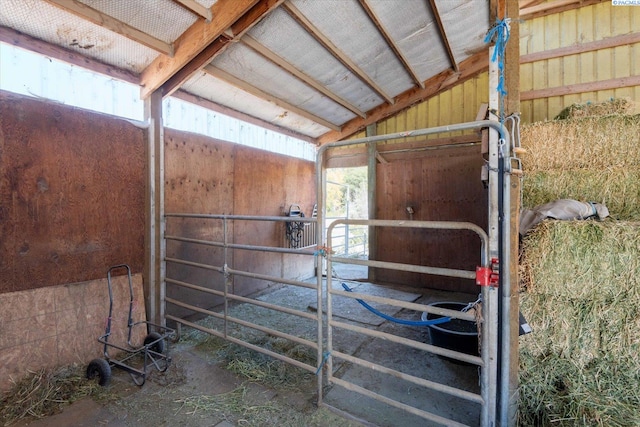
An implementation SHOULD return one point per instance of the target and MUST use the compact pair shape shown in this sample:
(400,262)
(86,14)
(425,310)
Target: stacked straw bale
(588,159)
(581,279)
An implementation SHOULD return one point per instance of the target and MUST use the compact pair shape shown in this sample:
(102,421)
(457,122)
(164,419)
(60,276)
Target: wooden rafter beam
(15,38)
(285,65)
(246,87)
(261,9)
(87,13)
(443,36)
(554,7)
(334,50)
(196,8)
(373,16)
(209,105)
(192,42)
(441,82)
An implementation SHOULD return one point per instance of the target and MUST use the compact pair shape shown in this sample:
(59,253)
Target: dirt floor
(212,382)
(195,392)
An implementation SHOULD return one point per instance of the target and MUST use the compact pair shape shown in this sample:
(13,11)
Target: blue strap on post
(500,32)
(395,319)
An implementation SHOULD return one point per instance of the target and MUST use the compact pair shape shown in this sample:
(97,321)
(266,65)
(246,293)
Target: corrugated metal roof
(306,65)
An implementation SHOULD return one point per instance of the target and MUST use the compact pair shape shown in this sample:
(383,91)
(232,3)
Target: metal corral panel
(281,34)
(222,93)
(46,22)
(249,66)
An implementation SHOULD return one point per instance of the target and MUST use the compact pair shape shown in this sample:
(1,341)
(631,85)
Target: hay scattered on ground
(234,402)
(46,392)
(580,367)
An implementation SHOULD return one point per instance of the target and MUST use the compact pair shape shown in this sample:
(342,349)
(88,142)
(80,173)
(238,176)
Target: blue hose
(395,319)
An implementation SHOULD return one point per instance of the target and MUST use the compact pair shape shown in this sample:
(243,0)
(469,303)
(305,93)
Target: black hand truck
(154,351)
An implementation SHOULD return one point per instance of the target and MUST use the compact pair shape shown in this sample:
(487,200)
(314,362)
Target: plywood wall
(204,175)
(444,186)
(71,194)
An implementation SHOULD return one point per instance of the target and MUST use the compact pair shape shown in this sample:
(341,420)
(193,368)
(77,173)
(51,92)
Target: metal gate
(488,335)
(492,274)
(488,362)
(223,266)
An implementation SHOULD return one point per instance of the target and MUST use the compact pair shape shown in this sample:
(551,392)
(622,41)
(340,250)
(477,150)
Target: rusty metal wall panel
(445,186)
(71,196)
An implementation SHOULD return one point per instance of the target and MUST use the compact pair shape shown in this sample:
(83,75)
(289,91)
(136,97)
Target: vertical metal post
(155,246)
(321,189)
(490,293)
(346,226)
(227,276)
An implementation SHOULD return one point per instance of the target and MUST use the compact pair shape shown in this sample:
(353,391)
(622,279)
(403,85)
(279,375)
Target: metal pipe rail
(234,340)
(479,361)
(489,383)
(228,273)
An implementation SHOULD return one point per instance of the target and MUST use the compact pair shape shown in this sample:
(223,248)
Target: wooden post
(371,189)
(512,105)
(154,212)
(508,401)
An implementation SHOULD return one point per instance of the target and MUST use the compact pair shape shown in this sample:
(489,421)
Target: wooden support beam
(609,42)
(334,50)
(288,67)
(92,15)
(554,7)
(581,88)
(155,246)
(12,37)
(441,82)
(261,9)
(373,16)
(196,8)
(209,105)
(242,85)
(193,41)
(443,36)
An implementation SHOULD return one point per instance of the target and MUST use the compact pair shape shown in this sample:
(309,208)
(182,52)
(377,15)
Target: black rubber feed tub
(457,334)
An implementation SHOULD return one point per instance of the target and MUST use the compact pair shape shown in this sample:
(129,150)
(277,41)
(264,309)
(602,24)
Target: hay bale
(613,106)
(588,158)
(583,260)
(582,299)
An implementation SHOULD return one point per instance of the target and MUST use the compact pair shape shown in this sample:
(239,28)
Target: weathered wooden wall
(71,194)
(444,186)
(204,175)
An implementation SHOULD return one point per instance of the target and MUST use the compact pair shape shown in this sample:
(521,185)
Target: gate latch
(488,276)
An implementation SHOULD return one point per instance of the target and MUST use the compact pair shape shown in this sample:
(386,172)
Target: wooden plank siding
(605,70)
(548,85)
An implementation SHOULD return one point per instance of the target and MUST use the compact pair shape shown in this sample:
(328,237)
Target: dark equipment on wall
(154,351)
(294,229)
